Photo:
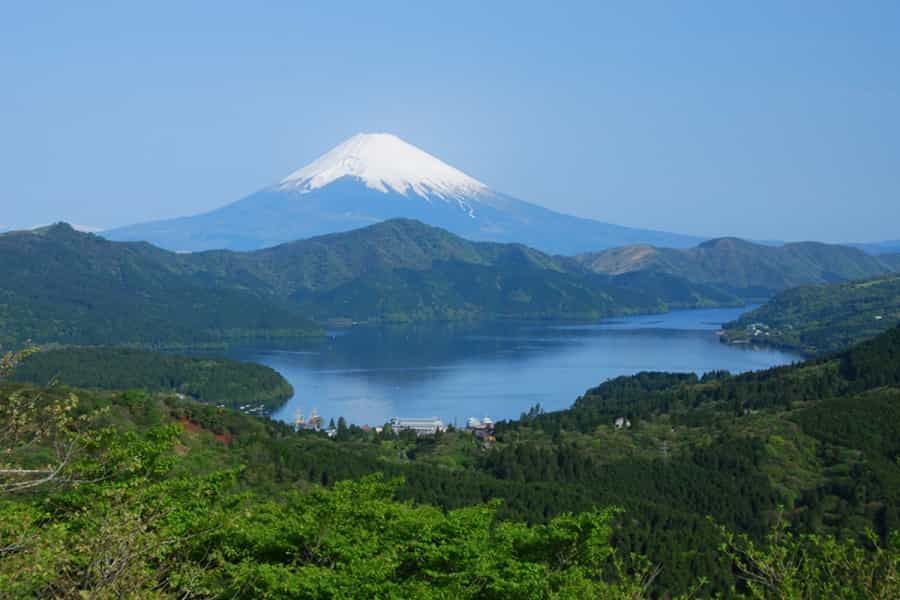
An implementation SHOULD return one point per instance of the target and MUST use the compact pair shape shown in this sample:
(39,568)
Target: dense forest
(58,285)
(214,380)
(765,482)
(822,318)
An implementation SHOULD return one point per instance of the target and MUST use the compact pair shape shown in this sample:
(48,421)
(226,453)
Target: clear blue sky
(757,119)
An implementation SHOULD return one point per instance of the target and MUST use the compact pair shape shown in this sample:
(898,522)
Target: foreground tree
(798,567)
(37,436)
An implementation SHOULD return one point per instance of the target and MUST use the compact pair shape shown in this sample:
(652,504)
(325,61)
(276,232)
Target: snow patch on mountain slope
(386,163)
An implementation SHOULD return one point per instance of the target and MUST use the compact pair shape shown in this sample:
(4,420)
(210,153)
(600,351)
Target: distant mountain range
(61,285)
(744,268)
(375,177)
(402,270)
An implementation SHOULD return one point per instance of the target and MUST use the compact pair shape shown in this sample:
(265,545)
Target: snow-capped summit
(377,176)
(385,163)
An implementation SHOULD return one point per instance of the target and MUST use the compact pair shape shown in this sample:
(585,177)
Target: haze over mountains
(744,268)
(375,177)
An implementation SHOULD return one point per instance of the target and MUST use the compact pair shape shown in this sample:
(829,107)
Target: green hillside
(402,270)
(819,439)
(741,267)
(213,380)
(190,499)
(59,285)
(822,318)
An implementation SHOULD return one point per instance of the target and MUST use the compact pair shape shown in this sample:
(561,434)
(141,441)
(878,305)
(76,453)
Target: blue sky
(764,120)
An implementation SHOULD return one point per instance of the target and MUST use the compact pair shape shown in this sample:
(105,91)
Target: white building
(622,423)
(420,426)
(485,423)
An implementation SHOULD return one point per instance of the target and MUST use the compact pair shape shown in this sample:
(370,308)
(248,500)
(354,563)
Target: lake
(369,374)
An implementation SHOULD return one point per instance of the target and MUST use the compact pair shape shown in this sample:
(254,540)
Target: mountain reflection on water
(369,374)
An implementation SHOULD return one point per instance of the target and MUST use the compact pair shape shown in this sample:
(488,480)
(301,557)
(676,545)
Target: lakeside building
(622,423)
(420,426)
(475,424)
(313,423)
(482,429)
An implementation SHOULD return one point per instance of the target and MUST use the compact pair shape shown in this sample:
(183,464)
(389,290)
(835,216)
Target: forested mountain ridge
(821,318)
(63,286)
(219,381)
(326,262)
(742,267)
(405,270)
(60,285)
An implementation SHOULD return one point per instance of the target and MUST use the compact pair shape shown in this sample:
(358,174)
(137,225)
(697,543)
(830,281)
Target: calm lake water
(369,374)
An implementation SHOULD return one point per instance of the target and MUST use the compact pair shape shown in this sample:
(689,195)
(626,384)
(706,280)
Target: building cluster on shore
(313,423)
(482,429)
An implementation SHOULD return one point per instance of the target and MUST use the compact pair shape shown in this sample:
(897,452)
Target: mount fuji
(373,177)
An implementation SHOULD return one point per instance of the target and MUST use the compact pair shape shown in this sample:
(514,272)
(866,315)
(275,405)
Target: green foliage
(823,318)
(708,446)
(791,566)
(62,286)
(354,540)
(135,524)
(153,525)
(212,380)
(170,498)
(10,361)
